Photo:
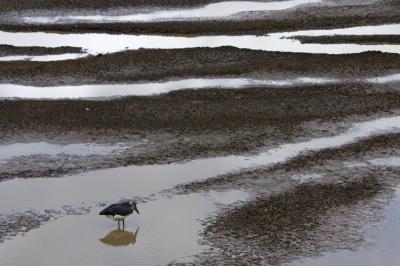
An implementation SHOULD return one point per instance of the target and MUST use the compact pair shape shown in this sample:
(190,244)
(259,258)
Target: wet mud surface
(359,39)
(335,14)
(300,222)
(183,125)
(149,64)
(289,218)
(323,161)
(19,223)
(6,50)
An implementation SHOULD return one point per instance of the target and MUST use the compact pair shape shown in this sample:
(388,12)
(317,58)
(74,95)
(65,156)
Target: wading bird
(120,211)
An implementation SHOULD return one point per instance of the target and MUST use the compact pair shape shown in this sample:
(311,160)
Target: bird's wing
(116,209)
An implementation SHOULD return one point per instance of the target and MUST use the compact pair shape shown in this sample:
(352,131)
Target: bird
(120,211)
(120,237)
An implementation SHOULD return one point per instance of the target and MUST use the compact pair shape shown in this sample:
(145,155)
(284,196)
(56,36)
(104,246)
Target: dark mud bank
(7,50)
(131,66)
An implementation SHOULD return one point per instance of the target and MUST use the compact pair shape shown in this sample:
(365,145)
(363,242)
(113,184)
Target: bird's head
(133,206)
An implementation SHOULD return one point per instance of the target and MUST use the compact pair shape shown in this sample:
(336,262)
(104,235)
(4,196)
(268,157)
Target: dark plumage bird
(120,211)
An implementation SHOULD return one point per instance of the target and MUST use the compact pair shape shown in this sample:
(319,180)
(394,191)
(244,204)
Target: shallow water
(166,229)
(10,151)
(95,43)
(385,79)
(110,91)
(212,11)
(145,89)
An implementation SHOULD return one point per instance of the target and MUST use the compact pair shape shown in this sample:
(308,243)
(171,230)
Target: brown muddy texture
(288,220)
(7,50)
(16,223)
(184,124)
(344,14)
(359,39)
(304,221)
(381,146)
(149,64)
(19,223)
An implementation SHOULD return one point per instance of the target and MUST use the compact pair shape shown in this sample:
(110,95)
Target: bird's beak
(136,209)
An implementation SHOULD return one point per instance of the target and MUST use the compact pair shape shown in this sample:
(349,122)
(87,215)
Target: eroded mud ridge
(319,161)
(184,124)
(289,223)
(373,39)
(151,64)
(304,207)
(6,50)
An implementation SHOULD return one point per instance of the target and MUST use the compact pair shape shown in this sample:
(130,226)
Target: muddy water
(212,11)
(109,43)
(166,229)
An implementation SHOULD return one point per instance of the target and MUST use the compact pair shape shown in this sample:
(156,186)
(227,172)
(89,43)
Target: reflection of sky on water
(211,11)
(96,43)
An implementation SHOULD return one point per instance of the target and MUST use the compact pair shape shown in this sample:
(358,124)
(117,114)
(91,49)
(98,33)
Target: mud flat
(330,15)
(180,125)
(372,39)
(140,65)
(7,50)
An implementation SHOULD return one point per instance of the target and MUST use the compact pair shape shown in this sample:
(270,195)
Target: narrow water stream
(221,10)
(96,43)
(144,89)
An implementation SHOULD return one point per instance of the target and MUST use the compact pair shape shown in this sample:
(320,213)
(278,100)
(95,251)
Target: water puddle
(10,151)
(165,230)
(144,89)
(111,91)
(96,43)
(385,237)
(221,10)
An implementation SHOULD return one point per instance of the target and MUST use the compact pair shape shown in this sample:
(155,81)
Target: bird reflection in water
(119,237)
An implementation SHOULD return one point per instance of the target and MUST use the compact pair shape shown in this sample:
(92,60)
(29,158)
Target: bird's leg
(118,225)
(123,224)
